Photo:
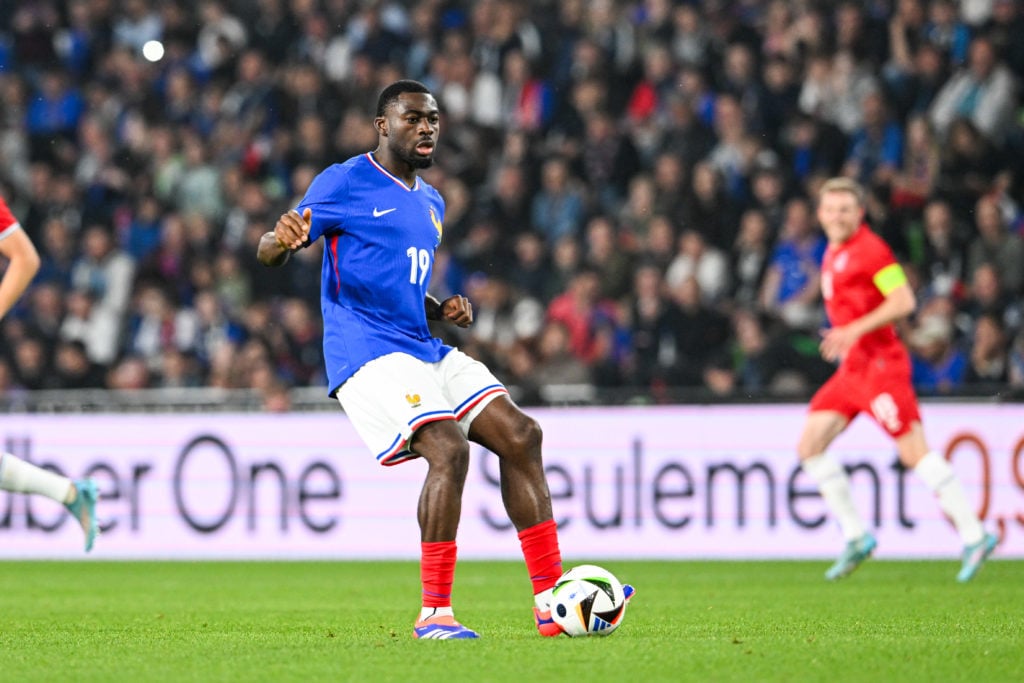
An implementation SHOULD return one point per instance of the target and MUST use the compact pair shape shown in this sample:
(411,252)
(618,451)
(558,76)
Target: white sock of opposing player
(834,486)
(937,475)
(24,477)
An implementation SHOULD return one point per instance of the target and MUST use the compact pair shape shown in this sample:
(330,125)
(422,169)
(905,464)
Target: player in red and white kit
(17,475)
(865,292)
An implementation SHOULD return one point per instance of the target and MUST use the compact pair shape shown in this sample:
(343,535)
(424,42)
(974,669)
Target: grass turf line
(352,621)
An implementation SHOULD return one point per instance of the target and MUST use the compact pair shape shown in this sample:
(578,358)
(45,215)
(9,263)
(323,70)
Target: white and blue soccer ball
(588,601)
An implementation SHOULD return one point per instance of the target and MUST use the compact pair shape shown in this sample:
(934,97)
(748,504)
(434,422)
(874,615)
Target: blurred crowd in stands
(630,184)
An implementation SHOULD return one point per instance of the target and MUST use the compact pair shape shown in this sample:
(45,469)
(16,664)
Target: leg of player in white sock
(938,476)
(24,477)
(79,497)
(834,486)
(820,430)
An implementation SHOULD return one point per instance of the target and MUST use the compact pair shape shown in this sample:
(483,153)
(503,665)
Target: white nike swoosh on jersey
(378,214)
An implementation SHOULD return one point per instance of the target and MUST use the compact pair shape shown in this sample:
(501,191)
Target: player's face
(840,215)
(413,126)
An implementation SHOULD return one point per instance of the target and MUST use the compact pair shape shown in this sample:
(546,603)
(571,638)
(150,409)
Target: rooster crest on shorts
(414,400)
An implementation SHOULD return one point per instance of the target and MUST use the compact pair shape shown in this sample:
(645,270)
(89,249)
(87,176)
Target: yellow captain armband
(889,278)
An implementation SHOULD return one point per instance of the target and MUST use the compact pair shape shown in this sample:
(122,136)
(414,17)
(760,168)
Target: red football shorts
(880,388)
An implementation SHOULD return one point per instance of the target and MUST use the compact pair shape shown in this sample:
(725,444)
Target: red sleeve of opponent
(7,219)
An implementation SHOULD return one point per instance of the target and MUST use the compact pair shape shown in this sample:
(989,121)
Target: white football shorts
(391,397)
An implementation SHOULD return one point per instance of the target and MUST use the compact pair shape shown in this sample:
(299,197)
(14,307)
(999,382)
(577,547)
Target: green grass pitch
(351,621)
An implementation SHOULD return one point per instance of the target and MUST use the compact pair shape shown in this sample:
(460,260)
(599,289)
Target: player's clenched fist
(457,310)
(292,230)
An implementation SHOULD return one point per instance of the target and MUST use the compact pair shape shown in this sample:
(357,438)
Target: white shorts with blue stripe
(391,397)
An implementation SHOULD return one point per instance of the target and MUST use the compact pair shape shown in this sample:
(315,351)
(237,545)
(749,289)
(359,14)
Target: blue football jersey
(380,237)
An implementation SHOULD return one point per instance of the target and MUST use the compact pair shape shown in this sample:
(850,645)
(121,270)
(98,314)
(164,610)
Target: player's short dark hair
(390,94)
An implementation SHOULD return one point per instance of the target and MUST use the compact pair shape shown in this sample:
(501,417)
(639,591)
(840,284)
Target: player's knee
(460,459)
(808,448)
(526,438)
(447,450)
(452,462)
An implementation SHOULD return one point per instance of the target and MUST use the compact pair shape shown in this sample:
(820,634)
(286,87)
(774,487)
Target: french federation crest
(414,400)
(437,225)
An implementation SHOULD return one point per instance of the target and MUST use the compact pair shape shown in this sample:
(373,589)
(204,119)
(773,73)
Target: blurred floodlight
(153,50)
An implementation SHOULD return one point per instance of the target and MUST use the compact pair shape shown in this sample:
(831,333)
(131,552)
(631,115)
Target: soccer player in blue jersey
(408,394)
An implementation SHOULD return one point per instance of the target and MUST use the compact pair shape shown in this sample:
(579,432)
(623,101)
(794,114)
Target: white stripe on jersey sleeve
(9,229)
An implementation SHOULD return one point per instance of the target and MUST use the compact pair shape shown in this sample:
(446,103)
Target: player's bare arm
(24,264)
(898,304)
(455,309)
(290,233)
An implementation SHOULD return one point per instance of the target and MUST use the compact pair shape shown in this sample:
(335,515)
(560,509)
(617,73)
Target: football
(588,600)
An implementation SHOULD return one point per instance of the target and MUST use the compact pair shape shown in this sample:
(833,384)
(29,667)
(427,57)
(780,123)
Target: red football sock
(437,572)
(543,559)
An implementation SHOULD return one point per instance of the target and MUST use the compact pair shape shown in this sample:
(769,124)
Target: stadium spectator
(729,156)
(986,295)
(556,361)
(916,178)
(668,184)
(942,258)
(52,117)
(658,246)
(530,267)
(130,373)
(995,244)
(706,264)
(748,258)
(876,146)
(969,167)
(638,209)
(73,368)
(811,146)
(768,195)
(987,362)
(566,260)
(583,311)
(156,324)
(938,365)
(508,204)
(608,159)
(104,273)
(781,99)
(221,35)
(685,132)
(138,25)
(984,92)
(500,320)
(649,321)
(603,252)
(1004,28)
(834,87)
(557,209)
(792,283)
(695,332)
(945,31)
(707,208)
